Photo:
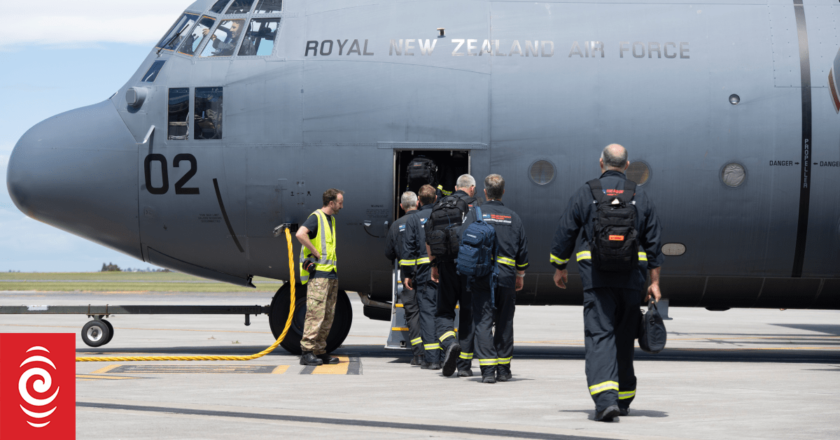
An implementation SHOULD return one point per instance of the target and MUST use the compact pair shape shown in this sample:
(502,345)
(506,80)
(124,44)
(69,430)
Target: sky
(68,55)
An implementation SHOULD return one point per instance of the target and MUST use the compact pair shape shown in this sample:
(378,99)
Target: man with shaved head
(620,241)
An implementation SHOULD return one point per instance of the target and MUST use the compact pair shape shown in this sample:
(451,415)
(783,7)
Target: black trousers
(412,319)
(427,304)
(611,318)
(494,350)
(452,290)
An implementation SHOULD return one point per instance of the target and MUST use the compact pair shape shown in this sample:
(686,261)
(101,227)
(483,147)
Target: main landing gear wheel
(96,333)
(110,330)
(280,312)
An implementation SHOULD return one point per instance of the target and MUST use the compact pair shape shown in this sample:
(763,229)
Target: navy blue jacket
(578,218)
(414,260)
(511,243)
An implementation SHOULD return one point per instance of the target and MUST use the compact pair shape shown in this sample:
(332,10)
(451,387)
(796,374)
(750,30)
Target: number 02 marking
(164,173)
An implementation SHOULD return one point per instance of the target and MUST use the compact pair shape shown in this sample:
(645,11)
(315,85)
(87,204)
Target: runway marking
(105,369)
(200,369)
(149,329)
(85,377)
(347,365)
(465,430)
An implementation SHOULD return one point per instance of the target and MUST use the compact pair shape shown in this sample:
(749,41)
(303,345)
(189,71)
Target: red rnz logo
(38,386)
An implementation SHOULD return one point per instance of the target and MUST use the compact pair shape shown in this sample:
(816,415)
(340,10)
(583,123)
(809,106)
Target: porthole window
(733,175)
(638,172)
(542,172)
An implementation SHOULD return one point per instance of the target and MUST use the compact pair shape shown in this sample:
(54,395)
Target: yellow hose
(217,358)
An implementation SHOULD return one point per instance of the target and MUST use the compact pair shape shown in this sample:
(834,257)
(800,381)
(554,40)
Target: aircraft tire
(280,312)
(95,333)
(110,331)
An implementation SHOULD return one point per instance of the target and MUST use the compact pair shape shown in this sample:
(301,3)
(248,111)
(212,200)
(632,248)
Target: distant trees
(110,267)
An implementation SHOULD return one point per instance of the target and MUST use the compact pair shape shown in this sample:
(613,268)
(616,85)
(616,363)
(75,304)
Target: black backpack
(447,217)
(421,171)
(615,242)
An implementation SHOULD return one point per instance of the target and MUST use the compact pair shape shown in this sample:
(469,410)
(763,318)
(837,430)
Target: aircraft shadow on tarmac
(633,413)
(758,355)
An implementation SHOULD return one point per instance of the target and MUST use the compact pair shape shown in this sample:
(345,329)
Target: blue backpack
(477,252)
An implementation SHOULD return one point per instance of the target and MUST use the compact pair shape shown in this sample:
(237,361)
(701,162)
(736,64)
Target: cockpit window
(208,112)
(153,71)
(179,109)
(260,36)
(178,32)
(199,34)
(240,7)
(219,6)
(223,41)
(269,7)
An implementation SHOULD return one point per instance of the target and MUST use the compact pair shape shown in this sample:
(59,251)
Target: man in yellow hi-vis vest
(318,271)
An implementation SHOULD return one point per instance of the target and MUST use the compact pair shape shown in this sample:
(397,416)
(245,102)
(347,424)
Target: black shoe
(327,359)
(488,379)
(624,411)
(430,366)
(307,358)
(465,373)
(416,360)
(608,415)
(503,376)
(450,361)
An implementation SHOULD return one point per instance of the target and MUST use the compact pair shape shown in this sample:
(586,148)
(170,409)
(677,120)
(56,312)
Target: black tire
(280,312)
(110,329)
(96,333)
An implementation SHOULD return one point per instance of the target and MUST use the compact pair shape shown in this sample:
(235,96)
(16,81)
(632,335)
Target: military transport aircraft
(247,110)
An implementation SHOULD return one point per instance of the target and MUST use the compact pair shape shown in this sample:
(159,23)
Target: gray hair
(614,156)
(465,181)
(408,200)
(494,184)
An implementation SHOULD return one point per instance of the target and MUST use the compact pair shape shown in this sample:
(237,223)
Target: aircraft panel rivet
(734,99)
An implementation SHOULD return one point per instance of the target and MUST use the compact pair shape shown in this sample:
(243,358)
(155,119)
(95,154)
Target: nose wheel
(97,332)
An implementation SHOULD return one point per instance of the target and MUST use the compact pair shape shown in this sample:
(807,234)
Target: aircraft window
(178,31)
(269,7)
(197,36)
(219,6)
(240,7)
(153,71)
(179,109)
(542,172)
(259,38)
(638,172)
(208,112)
(223,41)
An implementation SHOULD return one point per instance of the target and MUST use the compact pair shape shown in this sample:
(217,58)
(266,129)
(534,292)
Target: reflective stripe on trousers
(603,386)
(626,394)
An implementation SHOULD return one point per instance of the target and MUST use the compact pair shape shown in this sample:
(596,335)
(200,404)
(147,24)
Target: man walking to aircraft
(452,287)
(408,297)
(318,269)
(416,275)
(496,304)
(618,221)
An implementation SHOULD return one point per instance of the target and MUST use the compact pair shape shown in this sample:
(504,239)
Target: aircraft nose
(78,171)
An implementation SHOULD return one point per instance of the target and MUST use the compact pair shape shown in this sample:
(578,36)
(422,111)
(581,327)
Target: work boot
(307,358)
(488,379)
(416,360)
(624,411)
(465,373)
(327,359)
(430,366)
(503,374)
(608,415)
(450,360)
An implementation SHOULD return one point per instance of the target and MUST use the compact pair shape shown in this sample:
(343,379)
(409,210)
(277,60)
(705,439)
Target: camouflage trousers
(321,294)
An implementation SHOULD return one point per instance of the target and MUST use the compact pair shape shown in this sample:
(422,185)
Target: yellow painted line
(339,368)
(399,329)
(280,369)
(105,369)
(89,376)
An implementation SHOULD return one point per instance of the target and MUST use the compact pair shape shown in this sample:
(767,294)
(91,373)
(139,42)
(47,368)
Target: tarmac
(742,373)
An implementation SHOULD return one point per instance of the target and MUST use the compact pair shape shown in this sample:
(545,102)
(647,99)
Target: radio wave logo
(41,385)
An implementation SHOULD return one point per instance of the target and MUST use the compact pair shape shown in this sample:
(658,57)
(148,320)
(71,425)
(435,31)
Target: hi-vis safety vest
(325,241)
